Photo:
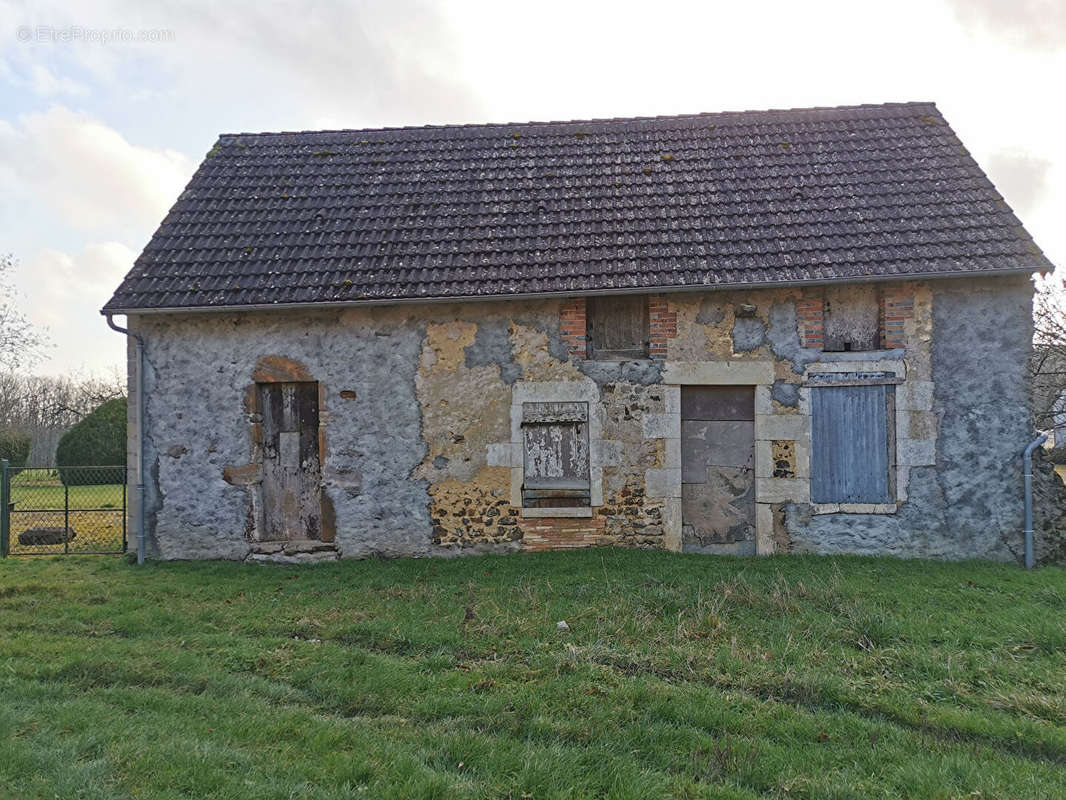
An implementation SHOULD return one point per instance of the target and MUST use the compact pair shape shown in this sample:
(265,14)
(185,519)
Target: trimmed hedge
(15,446)
(99,440)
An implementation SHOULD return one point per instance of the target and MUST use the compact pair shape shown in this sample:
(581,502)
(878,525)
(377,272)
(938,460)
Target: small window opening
(617,327)
(555,444)
(852,319)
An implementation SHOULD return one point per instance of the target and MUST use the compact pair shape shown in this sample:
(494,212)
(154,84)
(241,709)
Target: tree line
(36,411)
(1048,362)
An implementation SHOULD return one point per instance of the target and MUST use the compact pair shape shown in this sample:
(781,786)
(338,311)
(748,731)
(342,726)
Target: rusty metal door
(718,469)
(292,472)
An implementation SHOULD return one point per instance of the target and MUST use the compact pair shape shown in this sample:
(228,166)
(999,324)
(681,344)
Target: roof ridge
(725,117)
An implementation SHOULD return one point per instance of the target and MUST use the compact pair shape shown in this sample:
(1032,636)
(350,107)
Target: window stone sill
(854,508)
(534,513)
(627,360)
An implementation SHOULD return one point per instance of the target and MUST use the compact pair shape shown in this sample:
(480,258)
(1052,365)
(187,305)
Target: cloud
(44,83)
(263,65)
(1038,24)
(63,294)
(1022,179)
(88,173)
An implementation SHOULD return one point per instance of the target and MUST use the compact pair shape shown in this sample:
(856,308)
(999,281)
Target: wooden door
(292,472)
(718,468)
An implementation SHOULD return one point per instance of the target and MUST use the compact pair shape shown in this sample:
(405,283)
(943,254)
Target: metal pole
(5,508)
(141,516)
(1027,460)
(141,405)
(66,516)
(125,489)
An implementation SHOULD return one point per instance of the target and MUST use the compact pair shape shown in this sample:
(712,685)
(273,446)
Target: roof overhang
(711,287)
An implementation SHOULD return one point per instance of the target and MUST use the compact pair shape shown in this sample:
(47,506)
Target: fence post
(66,518)
(5,508)
(125,523)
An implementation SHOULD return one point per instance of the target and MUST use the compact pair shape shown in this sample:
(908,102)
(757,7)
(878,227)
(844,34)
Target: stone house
(759,332)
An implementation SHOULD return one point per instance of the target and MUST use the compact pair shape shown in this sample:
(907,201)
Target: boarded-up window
(852,318)
(617,327)
(852,444)
(555,444)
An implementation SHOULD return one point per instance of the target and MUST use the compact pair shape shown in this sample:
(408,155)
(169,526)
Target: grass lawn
(50,496)
(680,676)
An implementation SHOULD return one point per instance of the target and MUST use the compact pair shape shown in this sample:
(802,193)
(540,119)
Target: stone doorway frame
(666,482)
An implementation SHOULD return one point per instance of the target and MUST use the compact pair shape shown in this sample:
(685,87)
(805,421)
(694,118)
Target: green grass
(680,677)
(51,496)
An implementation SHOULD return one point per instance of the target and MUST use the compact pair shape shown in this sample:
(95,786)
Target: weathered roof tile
(650,203)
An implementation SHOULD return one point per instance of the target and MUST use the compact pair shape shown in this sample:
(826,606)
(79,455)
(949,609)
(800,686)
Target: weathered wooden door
(718,468)
(292,472)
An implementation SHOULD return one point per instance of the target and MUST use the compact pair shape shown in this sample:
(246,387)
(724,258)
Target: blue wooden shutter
(850,445)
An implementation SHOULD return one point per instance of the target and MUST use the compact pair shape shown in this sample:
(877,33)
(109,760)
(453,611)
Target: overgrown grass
(679,677)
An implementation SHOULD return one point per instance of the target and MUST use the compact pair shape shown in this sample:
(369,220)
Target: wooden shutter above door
(852,444)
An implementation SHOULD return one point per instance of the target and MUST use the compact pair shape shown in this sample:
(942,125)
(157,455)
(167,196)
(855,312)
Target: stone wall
(422,455)
(964,499)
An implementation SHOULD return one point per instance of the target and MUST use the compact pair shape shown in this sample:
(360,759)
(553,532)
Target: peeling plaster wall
(418,454)
(969,503)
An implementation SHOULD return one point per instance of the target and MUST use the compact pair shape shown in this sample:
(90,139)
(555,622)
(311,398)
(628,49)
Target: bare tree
(46,407)
(1048,364)
(20,342)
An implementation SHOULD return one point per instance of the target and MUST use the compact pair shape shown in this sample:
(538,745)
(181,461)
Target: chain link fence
(63,510)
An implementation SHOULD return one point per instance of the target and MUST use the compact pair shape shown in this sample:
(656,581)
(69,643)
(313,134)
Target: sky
(107,106)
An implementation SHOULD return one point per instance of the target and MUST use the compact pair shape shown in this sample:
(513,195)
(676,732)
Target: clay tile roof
(708,200)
